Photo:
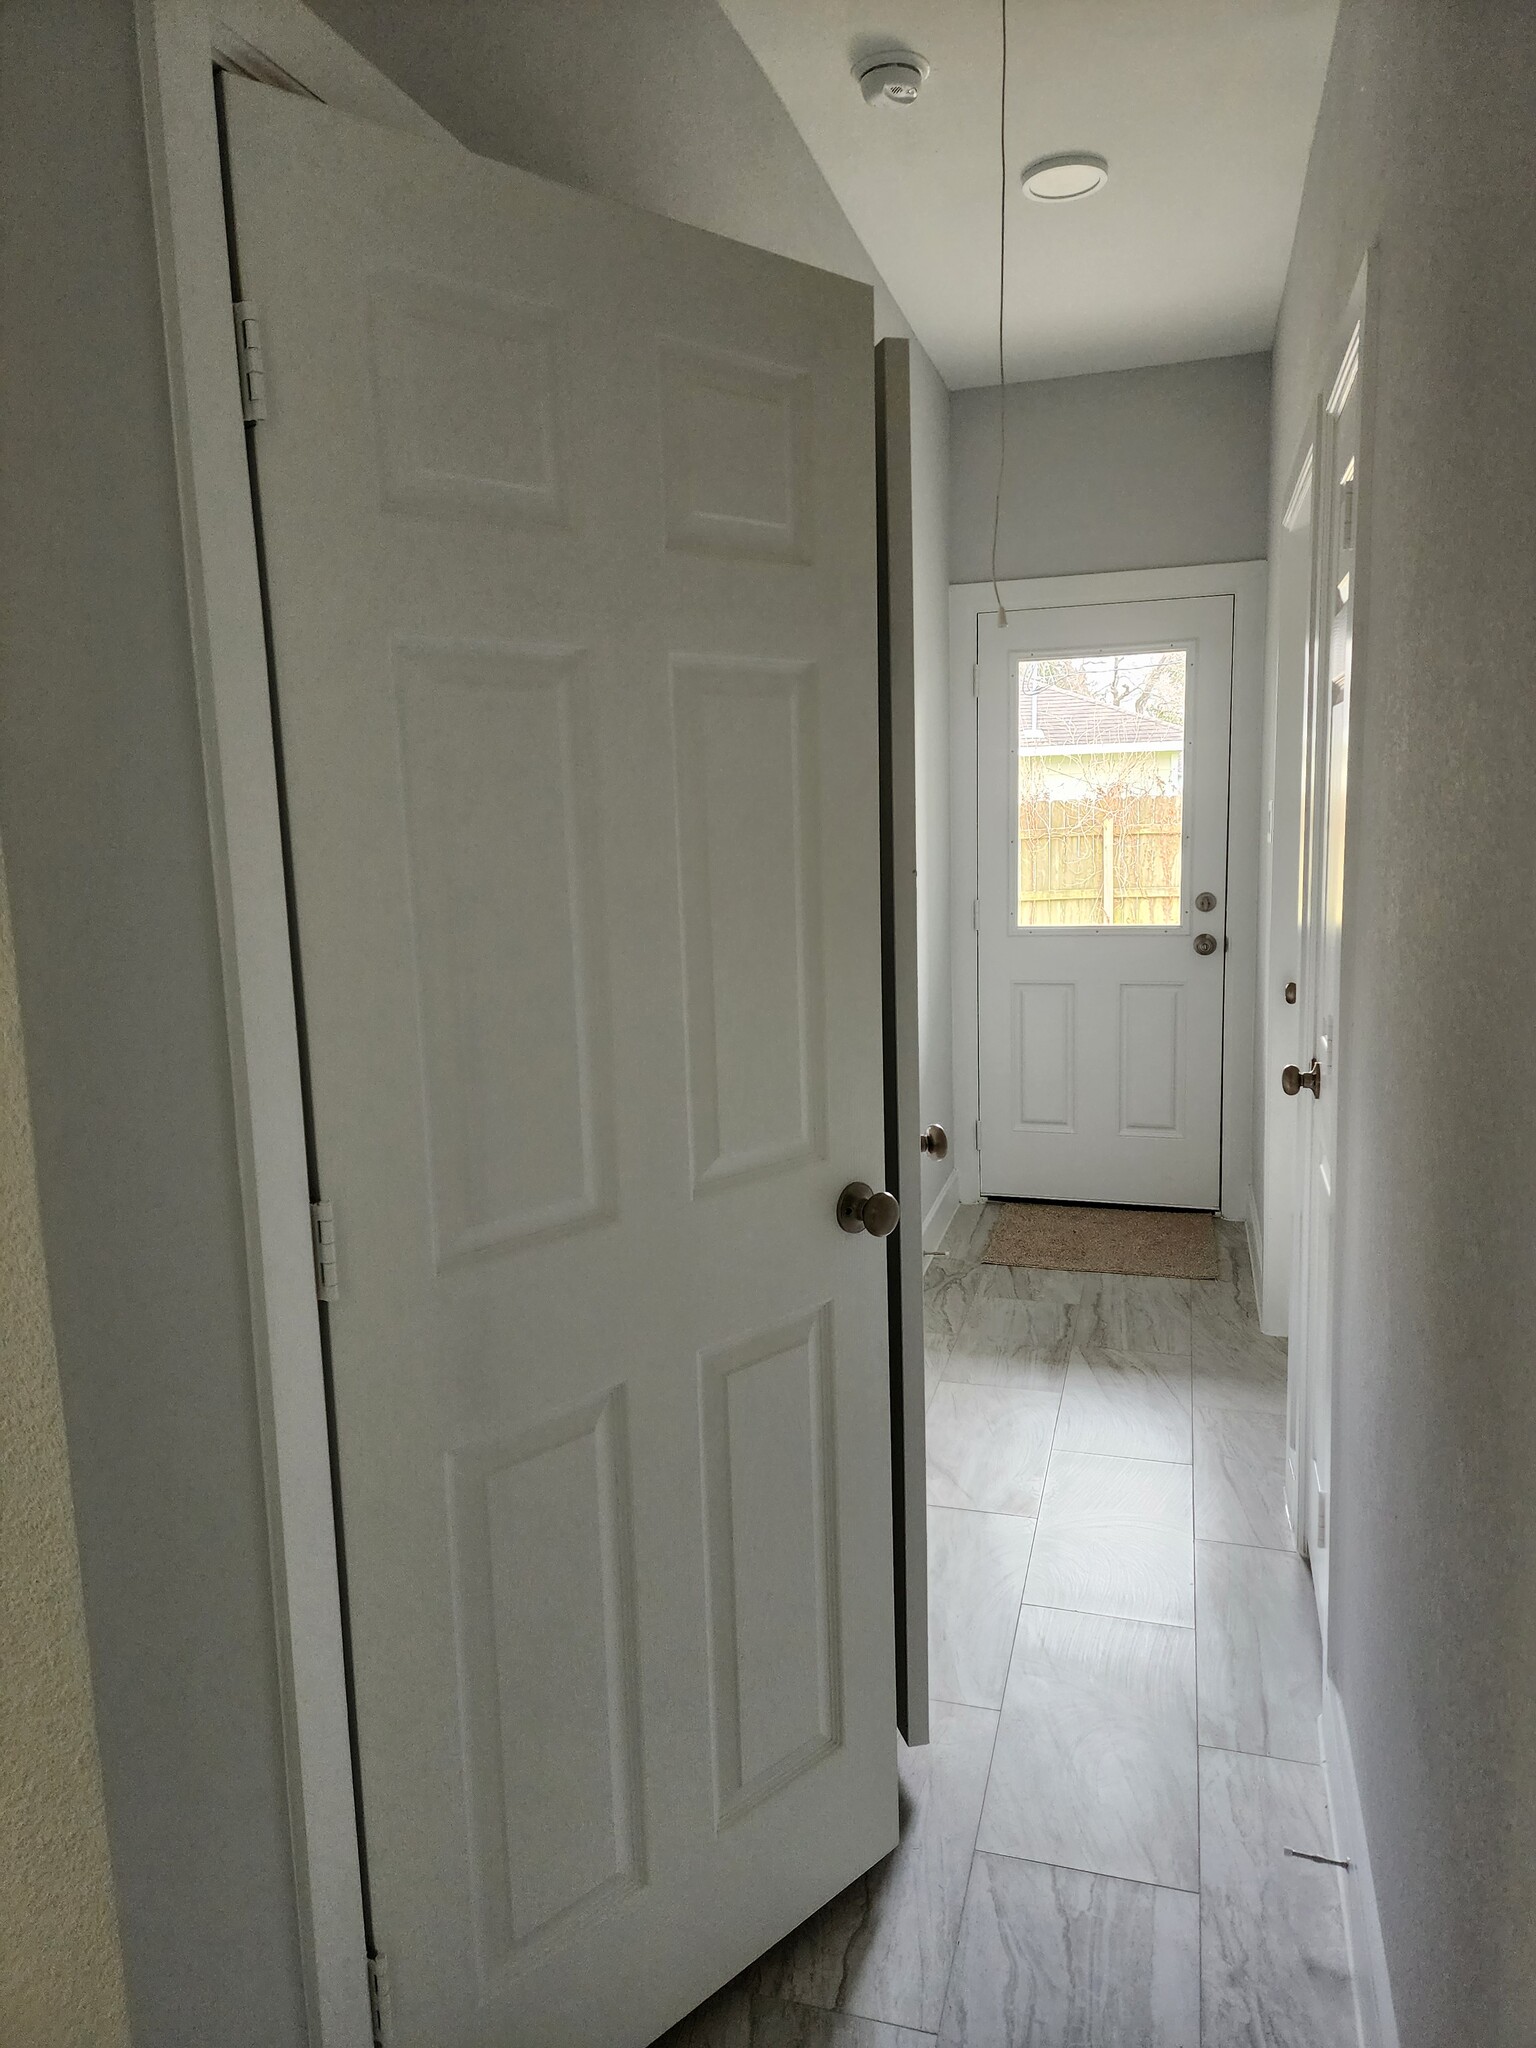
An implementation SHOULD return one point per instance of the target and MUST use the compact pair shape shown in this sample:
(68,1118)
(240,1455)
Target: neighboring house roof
(1067,720)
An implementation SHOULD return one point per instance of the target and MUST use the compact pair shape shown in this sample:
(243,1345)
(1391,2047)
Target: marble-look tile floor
(1126,1682)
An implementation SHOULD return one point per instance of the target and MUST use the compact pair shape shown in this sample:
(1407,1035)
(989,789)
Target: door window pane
(1101,788)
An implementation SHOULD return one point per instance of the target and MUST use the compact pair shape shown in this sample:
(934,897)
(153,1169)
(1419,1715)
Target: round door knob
(860,1208)
(1205,943)
(1294,1079)
(935,1142)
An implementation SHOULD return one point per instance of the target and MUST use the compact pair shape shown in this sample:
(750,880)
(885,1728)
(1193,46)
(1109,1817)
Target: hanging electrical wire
(1002,286)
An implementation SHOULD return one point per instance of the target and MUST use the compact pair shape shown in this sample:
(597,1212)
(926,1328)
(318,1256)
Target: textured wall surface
(1131,469)
(661,106)
(61,1974)
(1423,148)
(104,816)
(664,106)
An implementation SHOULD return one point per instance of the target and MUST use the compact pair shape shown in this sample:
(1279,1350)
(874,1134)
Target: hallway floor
(1126,1686)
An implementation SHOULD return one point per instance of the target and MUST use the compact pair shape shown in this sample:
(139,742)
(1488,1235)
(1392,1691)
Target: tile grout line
(1264,1756)
(1082,1870)
(1101,1614)
(1236,1543)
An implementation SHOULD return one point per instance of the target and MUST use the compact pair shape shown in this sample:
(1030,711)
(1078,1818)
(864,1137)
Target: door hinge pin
(252,366)
(976,679)
(322,1228)
(378,2000)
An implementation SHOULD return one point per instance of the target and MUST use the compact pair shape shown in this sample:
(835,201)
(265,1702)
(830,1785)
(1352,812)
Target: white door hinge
(976,679)
(378,2001)
(248,355)
(975,913)
(978,1137)
(322,1228)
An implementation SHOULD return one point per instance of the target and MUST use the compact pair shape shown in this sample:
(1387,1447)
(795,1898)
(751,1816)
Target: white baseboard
(941,1212)
(1255,1236)
(1374,2016)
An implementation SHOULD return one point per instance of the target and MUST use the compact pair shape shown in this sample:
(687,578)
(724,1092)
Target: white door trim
(1246,583)
(1375,2017)
(1291,647)
(1349,363)
(179,43)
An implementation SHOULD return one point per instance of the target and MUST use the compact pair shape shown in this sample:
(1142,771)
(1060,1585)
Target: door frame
(1292,651)
(1246,583)
(1348,369)
(180,42)
(898,909)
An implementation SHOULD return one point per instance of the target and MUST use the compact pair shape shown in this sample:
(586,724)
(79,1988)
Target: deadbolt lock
(1205,943)
(1205,900)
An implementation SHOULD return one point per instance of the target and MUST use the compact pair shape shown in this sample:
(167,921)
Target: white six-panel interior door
(1100,1043)
(568,526)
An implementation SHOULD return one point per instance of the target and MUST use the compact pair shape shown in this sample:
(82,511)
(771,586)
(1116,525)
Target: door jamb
(180,42)
(1246,583)
(1348,366)
(1288,695)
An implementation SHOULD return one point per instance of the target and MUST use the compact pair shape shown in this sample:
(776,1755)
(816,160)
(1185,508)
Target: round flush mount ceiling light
(894,76)
(1071,176)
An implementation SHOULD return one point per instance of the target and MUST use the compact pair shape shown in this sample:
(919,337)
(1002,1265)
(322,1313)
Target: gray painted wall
(104,821)
(1131,469)
(663,106)
(1423,147)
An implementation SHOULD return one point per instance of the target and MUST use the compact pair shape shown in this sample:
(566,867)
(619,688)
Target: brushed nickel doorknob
(935,1142)
(1205,943)
(1294,1079)
(860,1208)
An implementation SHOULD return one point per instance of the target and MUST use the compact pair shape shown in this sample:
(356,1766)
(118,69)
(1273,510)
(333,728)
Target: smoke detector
(895,76)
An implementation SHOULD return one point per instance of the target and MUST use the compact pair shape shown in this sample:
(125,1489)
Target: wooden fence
(1110,858)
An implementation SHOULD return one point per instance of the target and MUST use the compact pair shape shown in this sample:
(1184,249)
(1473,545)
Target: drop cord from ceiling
(1002,282)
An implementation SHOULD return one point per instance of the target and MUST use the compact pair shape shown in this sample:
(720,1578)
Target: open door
(1313,1081)
(903,1156)
(569,537)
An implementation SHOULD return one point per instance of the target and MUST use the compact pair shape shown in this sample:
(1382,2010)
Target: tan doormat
(1175,1244)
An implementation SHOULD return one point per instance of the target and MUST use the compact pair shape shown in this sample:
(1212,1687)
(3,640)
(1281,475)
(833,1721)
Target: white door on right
(1102,743)
(1315,1087)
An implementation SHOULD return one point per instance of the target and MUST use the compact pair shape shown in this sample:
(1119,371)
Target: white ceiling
(1204,109)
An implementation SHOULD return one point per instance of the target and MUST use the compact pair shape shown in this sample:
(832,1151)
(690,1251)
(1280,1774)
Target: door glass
(1101,788)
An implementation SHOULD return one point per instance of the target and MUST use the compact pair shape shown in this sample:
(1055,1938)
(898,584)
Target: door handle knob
(1205,943)
(1294,1079)
(935,1142)
(860,1208)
